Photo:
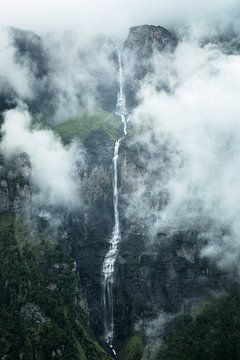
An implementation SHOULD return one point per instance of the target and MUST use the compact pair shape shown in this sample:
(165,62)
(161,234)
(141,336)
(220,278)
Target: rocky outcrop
(30,50)
(14,183)
(140,45)
(144,39)
(32,313)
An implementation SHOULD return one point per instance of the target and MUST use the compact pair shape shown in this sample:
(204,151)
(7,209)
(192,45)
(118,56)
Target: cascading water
(111,256)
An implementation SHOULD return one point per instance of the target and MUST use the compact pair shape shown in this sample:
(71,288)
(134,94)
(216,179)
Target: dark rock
(144,39)
(29,48)
(31,312)
(138,49)
(7,96)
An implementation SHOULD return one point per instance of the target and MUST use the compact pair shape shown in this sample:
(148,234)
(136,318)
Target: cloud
(11,72)
(54,173)
(78,65)
(109,16)
(191,137)
(57,75)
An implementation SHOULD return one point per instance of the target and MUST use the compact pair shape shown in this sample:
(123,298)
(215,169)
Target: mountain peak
(144,38)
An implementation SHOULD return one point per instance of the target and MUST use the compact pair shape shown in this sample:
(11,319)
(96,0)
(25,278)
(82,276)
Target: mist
(112,17)
(18,75)
(54,168)
(192,136)
(60,77)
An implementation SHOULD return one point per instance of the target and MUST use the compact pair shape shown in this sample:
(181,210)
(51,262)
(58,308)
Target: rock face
(138,49)
(165,276)
(38,60)
(88,231)
(144,39)
(29,48)
(14,185)
(29,54)
(32,313)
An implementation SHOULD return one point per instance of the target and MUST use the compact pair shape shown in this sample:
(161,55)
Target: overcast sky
(106,16)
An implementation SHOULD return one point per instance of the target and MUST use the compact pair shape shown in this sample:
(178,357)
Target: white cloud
(77,65)
(108,15)
(53,167)
(196,153)
(11,72)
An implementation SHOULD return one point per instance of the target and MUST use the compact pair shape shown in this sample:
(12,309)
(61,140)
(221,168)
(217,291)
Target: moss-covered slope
(42,313)
(83,125)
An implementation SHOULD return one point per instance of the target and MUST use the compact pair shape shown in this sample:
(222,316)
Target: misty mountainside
(175,285)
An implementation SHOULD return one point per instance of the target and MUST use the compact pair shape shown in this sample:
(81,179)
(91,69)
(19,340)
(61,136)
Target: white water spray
(111,256)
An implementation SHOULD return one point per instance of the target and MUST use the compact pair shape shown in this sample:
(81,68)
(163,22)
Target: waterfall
(111,256)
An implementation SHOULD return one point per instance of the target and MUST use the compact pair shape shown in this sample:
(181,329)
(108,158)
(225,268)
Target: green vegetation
(133,349)
(212,334)
(83,125)
(41,316)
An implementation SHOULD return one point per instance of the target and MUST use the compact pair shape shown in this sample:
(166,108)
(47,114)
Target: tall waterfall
(111,256)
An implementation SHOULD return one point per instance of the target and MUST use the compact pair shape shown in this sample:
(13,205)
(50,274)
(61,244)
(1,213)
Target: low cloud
(191,137)
(54,167)
(13,73)
(78,65)
(59,76)
(111,17)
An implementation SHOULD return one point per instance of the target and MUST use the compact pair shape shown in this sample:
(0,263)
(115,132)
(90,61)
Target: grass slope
(83,125)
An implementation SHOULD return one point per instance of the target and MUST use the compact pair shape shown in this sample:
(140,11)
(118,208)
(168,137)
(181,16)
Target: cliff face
(29,48)
(51,275)
(43,314)
(167,276)
(141,43)
(144,39)
(40,82)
